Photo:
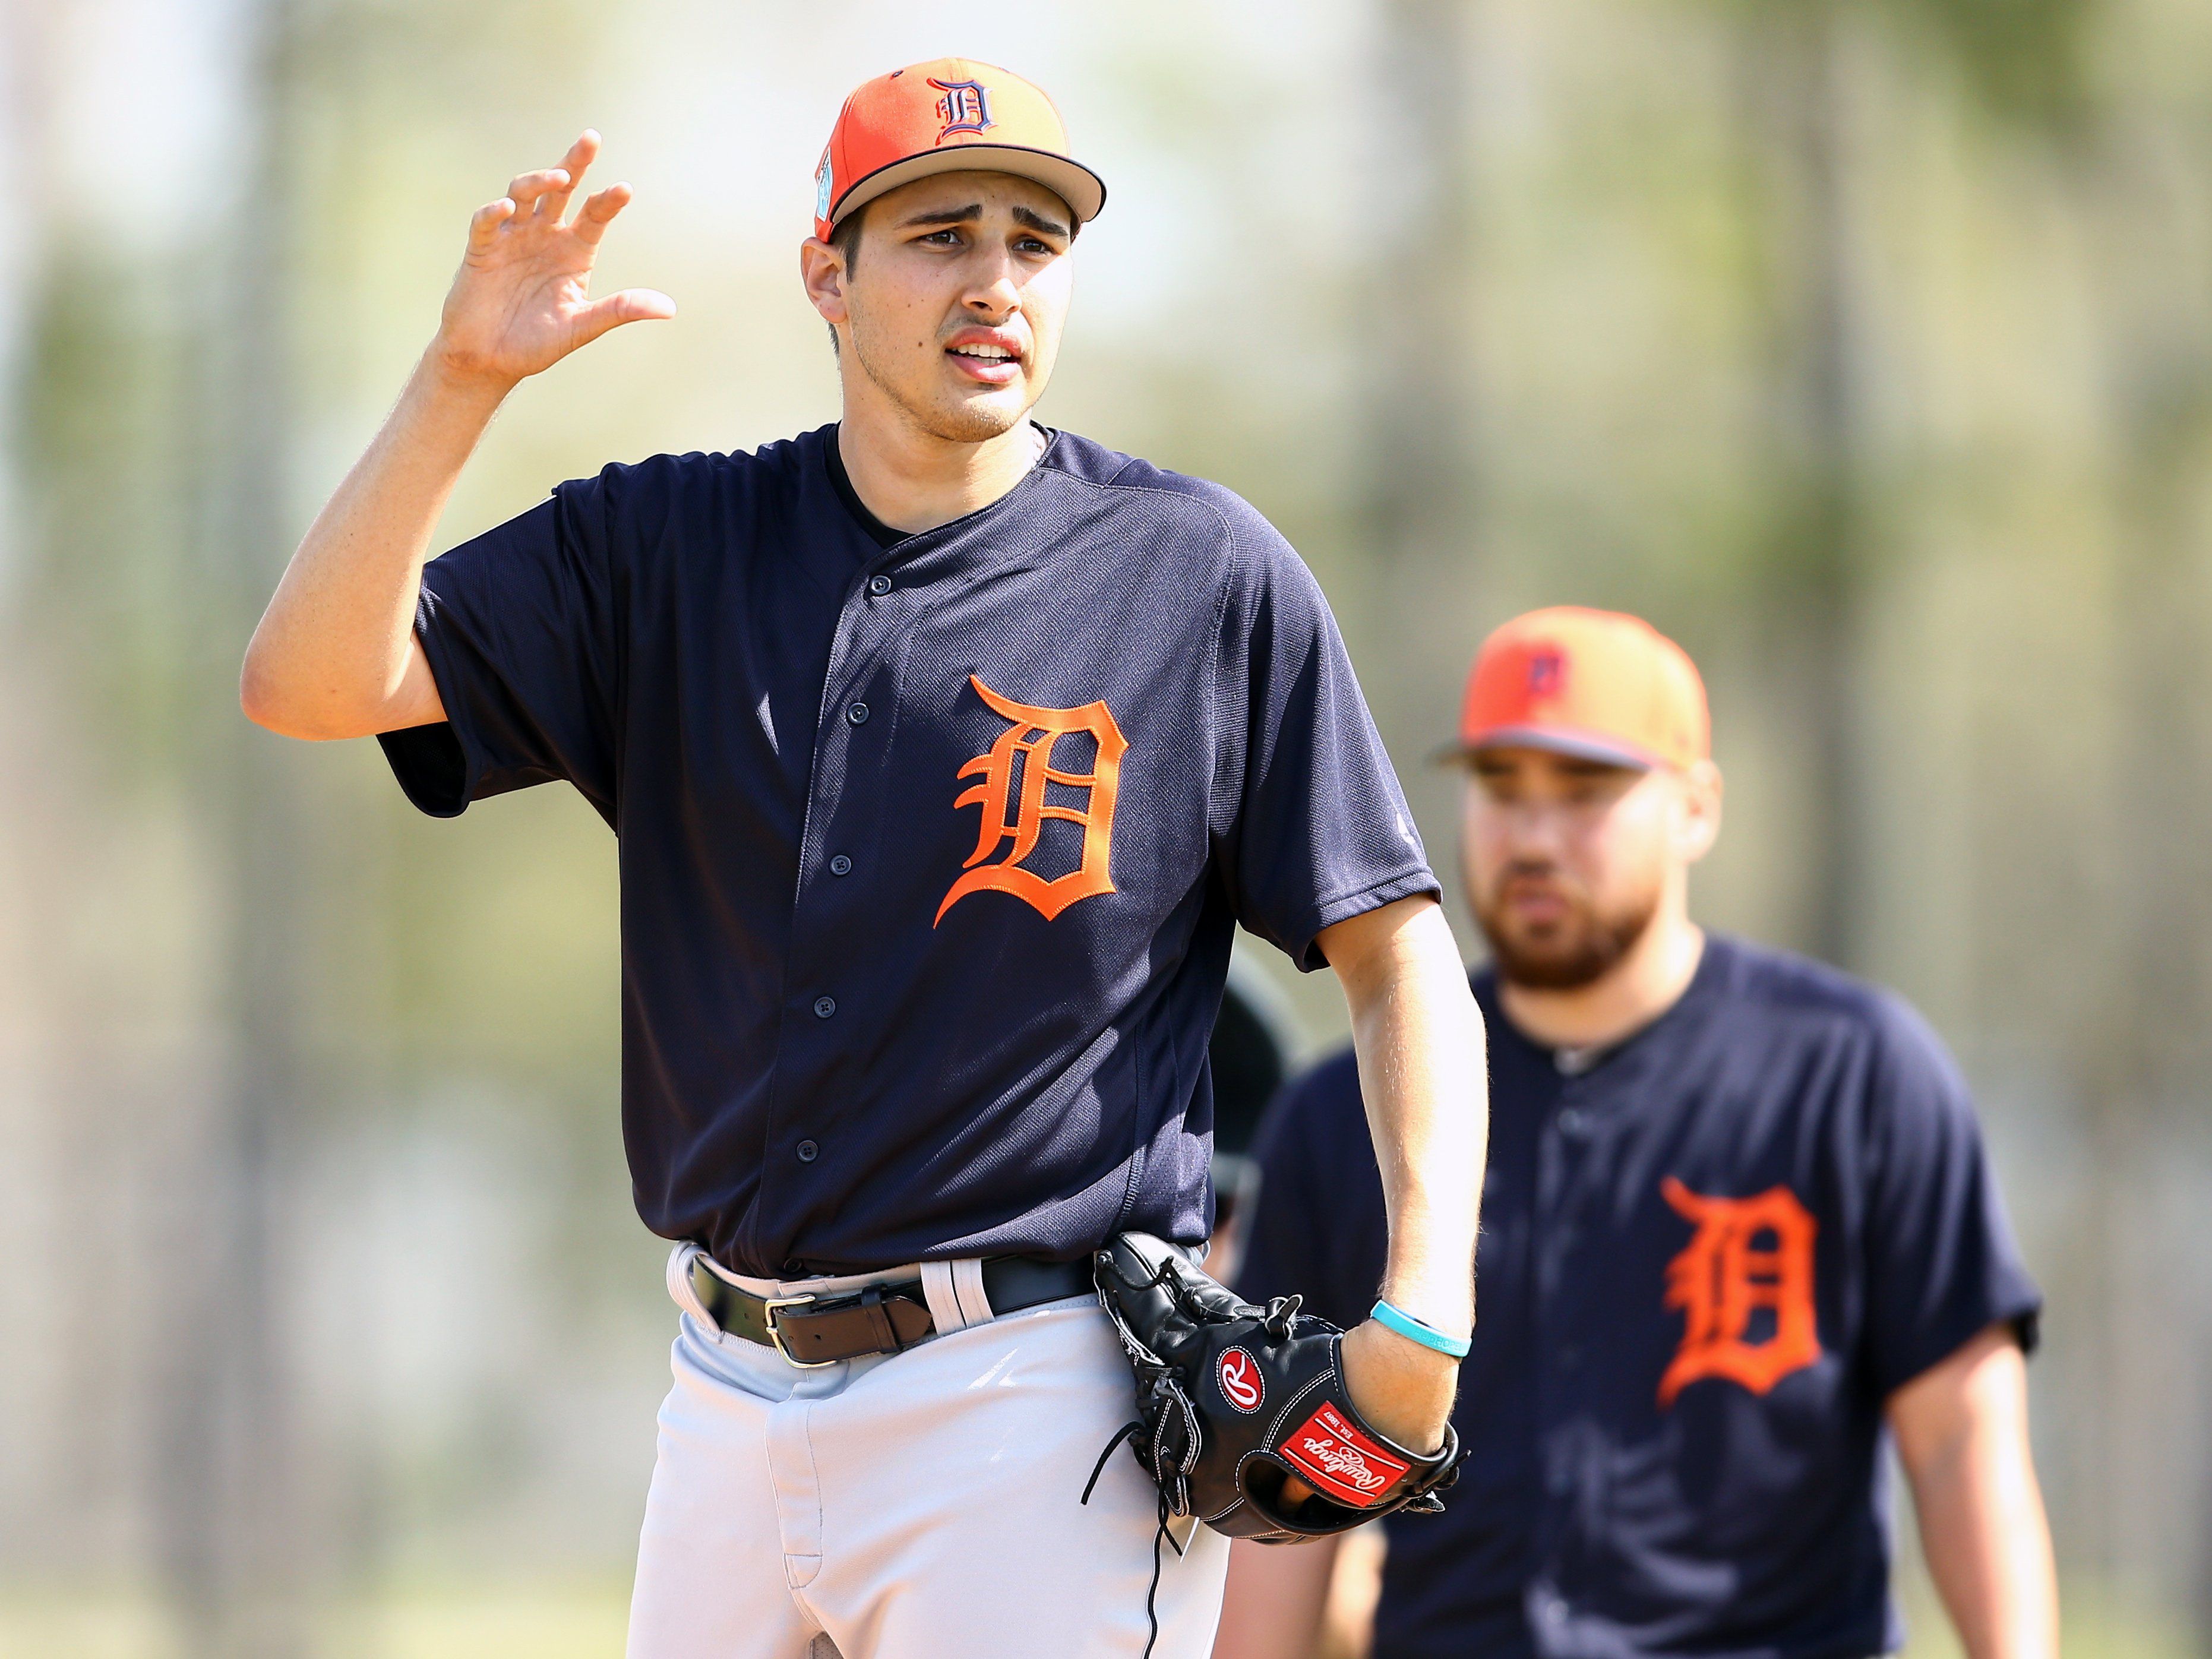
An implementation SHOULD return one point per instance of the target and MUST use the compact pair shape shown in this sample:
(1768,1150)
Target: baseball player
(1738,1231)
(945,752)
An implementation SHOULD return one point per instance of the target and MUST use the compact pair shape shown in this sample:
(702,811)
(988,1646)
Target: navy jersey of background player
(932,846)
(1705,1262)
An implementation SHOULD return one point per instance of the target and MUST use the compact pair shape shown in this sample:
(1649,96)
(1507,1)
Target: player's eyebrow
(943,216)
(1028,218)
(1037,222)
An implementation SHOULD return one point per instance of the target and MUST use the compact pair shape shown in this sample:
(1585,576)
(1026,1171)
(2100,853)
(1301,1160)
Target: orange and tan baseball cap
(1596,683)
(942,117)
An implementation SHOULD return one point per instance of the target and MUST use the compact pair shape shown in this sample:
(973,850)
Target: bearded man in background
(1738,1230)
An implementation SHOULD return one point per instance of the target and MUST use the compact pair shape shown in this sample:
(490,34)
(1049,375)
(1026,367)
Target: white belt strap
(954,1290)
(679,1283)
(937,1290)
(968,1285)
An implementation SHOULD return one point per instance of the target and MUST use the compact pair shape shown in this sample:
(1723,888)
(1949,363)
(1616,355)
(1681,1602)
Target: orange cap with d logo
(1597,684)
(942,117)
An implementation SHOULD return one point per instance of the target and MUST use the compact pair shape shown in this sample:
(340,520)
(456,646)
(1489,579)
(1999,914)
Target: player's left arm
(1419,1041)
(1961,1430)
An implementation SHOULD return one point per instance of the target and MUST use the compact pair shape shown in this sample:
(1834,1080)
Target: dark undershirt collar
(1572,1062)
(881,533)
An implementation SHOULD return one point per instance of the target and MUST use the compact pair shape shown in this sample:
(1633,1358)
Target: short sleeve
(520,629)
(1318,1231)
(1941,1264)
(1317,828)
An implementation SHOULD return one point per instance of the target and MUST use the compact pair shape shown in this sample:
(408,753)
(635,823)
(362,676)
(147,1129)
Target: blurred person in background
(1248,1058)
(1738,1231)
(888,1081)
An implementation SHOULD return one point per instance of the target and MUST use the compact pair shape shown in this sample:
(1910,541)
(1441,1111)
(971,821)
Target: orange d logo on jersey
(1747,1254)
(1014,772)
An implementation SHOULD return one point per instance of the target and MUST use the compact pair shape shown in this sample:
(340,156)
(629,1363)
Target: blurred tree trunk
(1802,69)
(1414,328)
(1416,318)
(2143,1048)
(228,1504)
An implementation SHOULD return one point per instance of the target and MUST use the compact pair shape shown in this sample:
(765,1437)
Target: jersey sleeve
(1318,1230)
(1316,828)
(520,629)
(1941,1264)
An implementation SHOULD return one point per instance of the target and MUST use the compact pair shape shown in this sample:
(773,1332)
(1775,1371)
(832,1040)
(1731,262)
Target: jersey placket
(848,793)
(822,995)
(1573,1448)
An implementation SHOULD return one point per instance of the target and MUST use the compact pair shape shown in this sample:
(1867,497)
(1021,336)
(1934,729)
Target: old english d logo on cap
(1600,684)
(965,107)
(950,115)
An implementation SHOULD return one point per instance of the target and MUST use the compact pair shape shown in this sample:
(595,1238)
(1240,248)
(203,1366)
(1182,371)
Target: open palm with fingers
(522,300)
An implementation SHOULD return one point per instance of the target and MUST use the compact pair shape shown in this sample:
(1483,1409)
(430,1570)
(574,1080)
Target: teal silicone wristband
(1428,1336)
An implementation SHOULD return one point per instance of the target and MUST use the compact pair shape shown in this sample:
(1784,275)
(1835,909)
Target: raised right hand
(521,300)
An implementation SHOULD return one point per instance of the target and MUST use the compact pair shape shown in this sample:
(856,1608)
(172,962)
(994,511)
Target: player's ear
(821,273)
(1697,819)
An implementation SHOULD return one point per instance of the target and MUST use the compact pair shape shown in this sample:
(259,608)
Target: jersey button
(840,865)
(879,586)
(825,1006)
(857,713)
(1571,1123)
(807,1151)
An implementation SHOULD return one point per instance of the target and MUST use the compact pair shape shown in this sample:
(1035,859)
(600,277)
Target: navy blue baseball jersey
(932,846)
(1706,1260)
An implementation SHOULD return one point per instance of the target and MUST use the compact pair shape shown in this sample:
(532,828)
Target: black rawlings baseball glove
(1233,1399)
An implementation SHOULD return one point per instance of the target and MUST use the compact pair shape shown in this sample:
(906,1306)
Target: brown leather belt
(888,1318)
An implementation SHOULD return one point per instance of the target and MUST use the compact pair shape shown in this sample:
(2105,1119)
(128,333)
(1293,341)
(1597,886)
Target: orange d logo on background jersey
(1014,772)
(1747,1254)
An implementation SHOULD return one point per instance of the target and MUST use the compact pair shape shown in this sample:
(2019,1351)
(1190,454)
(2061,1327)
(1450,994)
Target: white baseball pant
(922,1505)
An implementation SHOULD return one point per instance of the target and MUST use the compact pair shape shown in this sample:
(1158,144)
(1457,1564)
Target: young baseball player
(945,752)
(1738,1231)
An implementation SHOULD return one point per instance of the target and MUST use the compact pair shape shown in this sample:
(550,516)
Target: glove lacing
(1160,1380)
(1162,1532)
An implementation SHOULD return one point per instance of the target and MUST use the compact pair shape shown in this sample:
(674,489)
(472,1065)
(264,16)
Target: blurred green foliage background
(1866,348)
